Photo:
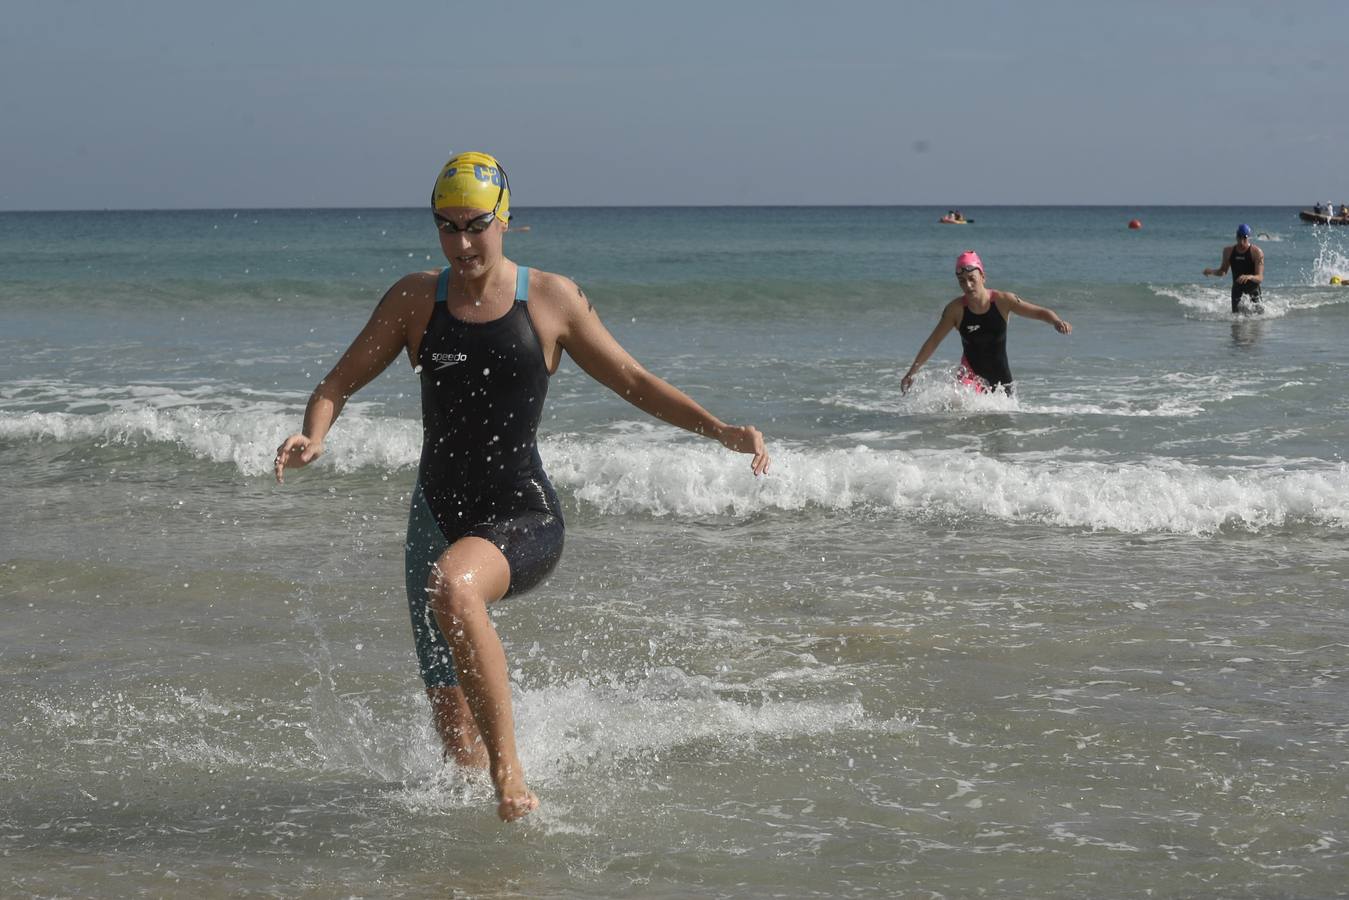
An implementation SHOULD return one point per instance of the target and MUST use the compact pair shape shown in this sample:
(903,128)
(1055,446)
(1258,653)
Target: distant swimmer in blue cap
(1247,263)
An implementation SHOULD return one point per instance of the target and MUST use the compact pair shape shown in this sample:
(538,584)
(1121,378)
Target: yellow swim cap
(1335,279)
(474,180)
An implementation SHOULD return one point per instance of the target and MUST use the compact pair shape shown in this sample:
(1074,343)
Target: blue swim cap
(1243,230)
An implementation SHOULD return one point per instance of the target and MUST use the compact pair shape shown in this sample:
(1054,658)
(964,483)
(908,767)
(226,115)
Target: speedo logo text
(445,360)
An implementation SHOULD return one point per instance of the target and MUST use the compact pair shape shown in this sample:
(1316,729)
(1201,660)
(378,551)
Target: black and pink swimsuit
(983,337)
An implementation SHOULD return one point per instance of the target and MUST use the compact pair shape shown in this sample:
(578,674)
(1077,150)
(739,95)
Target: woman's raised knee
(455,599)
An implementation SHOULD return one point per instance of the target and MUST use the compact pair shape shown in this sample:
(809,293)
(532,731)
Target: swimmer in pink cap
(969,259)
(980,315)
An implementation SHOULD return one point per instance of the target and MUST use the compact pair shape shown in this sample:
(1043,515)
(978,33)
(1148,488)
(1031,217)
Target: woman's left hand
(746,439)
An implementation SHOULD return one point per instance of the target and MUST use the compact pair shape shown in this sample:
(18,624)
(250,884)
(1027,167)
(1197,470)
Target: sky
(149,104)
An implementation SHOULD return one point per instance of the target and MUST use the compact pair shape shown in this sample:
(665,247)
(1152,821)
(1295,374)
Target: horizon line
(114,209)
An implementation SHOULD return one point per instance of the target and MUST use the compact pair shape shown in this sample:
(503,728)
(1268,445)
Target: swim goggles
(477,224)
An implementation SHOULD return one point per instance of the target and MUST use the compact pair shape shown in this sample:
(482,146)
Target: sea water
(1089,640)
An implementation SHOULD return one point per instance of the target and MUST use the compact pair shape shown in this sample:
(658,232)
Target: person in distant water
(980,315)
(1247,262)
(483,335)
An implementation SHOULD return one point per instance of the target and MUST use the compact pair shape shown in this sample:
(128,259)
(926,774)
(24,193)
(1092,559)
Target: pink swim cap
(967,259)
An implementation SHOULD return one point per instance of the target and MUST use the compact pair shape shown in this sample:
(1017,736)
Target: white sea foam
(575,725)
(1167,496)
(570,727)
(941,394)
(933,392)
(655,472)
(244,433)
(1204,301)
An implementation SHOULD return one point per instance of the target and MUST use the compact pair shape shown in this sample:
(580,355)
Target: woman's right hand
(296,452)
(905,383)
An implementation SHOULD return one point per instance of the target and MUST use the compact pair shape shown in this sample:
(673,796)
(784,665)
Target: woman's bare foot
(514,799)
(517,806)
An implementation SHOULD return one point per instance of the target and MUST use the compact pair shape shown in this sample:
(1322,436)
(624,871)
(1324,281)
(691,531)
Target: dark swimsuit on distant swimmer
(1243,263)
(483,386)
(984,339)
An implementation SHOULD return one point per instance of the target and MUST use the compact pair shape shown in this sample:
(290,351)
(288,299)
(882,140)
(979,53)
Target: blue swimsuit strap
(443,284)
(521,284)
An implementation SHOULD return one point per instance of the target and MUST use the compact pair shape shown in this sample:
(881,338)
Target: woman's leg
(454,723)
(468,576)
(449,710)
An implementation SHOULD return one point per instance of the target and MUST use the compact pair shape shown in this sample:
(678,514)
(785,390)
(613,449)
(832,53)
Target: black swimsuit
(483,387)
(1243,263)
(983,336)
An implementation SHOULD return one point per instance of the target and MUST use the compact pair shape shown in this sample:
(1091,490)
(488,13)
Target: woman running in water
(981,317)
(484,334)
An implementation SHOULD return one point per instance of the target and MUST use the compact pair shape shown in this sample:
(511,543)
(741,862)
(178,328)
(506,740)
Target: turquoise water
(1088,641)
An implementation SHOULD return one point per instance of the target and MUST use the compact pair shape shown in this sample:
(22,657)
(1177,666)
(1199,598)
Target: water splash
(1332,256)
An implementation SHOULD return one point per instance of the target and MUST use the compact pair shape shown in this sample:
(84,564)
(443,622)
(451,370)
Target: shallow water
(1088,641)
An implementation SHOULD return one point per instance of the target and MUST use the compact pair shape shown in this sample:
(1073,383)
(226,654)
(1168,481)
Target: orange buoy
(1135,224)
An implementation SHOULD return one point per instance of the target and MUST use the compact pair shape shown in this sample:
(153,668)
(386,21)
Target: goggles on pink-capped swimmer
(967,261)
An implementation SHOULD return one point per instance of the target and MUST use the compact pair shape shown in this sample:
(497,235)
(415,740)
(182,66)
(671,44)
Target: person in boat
(484,335)
(981,316)
(1247,263)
